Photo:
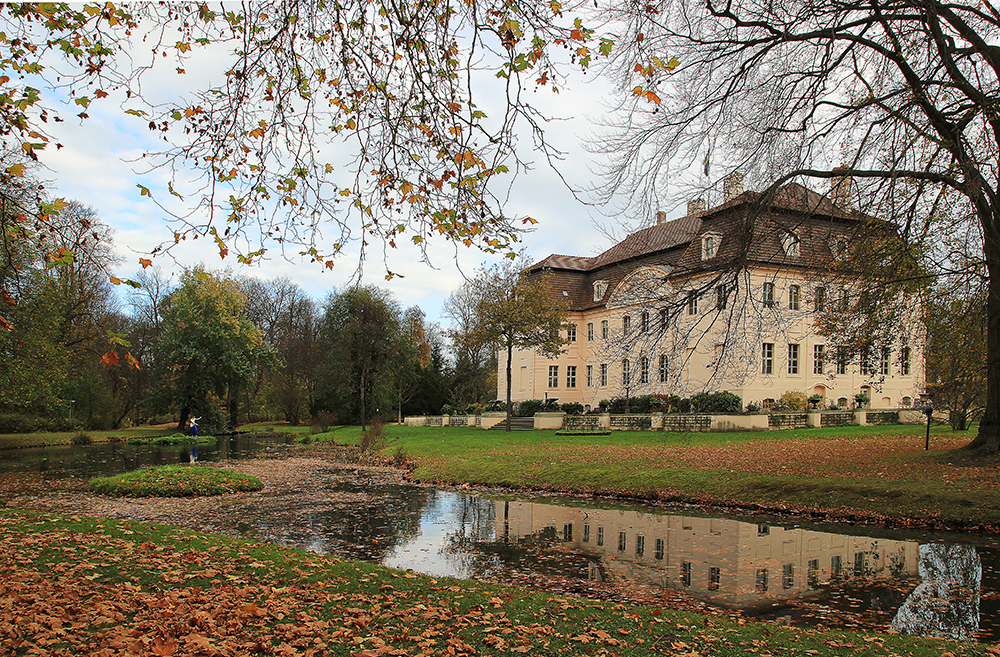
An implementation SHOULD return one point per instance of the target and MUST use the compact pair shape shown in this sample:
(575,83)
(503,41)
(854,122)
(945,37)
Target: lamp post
(928,408)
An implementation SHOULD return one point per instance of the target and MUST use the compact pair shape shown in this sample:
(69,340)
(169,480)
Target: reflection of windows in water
(714,578)
(812,575)
(859,564)
(621,541)
(640,545)
(568,531)
(600,536)
(686,573)
(586,533)
(594,572)
(763,530)
(761,583)
(659,549)
(787,576)
(686,523)
(836,566)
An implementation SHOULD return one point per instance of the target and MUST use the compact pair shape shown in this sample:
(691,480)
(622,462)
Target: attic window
(710,245)
(600,287)
(790,244)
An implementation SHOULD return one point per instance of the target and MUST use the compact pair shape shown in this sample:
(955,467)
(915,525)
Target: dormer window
(790,244)
(839,248)
(600,287)
(710,245)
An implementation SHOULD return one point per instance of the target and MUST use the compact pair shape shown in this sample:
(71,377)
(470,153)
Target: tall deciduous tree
(207,348)
(474,374)
(956,352)
(515,311)
(899,97)
(361,327)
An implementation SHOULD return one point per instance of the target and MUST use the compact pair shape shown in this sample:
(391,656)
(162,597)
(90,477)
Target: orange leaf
(9,300)
(110,359)
(132,361)
(5,325)
(145,262)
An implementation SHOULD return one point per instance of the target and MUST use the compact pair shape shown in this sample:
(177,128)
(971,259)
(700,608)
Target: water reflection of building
(727,562)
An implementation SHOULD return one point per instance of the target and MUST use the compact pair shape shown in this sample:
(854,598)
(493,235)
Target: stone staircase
(516,424)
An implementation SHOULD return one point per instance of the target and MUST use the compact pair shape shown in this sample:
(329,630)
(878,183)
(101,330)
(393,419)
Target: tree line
(225,348)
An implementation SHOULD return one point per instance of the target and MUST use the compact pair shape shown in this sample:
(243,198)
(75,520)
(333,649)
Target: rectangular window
(760,585)
(883,365)
(714,578)
(845,299)
(663,368)
(645,321)
(836,566)
(819,299)
(626,324)
(859,564)
(686,573)
(571,333)
(604,329)
(604,374)
(812,573)
(600,536)
(590,331)
(865,360)
(658,554)
(590,376)
(842,360)
(818,359)
(622,541)
(644,370)
(692,303)
(568,531)
(553,376)
(793,297)
(793,359)
(721,296)
(663,319)
(767,358)
(626,372)
(586,533)
(571,376)
(640,545)
(787,576)
(768,295)
(904,361)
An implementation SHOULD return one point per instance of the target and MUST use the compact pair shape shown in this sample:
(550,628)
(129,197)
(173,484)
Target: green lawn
(153,589)
(871,472)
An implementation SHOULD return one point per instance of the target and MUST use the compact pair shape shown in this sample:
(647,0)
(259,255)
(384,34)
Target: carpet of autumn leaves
(79,586)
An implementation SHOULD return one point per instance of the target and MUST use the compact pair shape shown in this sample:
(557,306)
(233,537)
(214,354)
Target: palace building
(722,299)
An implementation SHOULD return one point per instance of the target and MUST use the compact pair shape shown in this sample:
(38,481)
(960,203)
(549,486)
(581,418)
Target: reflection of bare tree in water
(367,529)
(487,551)
(946,603)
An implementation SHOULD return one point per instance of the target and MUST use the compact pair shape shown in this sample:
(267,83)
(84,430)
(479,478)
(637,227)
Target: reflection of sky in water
(444,522)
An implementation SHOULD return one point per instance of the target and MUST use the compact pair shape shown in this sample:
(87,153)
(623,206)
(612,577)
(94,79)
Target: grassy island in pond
(175,481)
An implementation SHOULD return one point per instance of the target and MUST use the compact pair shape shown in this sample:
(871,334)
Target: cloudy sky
(101,163)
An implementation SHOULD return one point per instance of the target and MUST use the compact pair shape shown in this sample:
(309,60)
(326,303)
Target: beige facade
(687,306)
(726,562)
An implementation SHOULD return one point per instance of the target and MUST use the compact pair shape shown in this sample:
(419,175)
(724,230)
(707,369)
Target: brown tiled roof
(650,240)
(554,261)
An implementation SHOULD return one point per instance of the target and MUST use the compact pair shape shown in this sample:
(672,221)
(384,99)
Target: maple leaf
(110,359)
(163,648)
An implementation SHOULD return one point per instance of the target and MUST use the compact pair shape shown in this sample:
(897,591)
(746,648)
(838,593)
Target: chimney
(732,186)
(840,190)
(661,217)
(696,205)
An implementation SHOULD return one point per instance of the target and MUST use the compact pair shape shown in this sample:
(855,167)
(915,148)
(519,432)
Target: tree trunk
(510,355)
(988,440)
(363,403)
(185,414)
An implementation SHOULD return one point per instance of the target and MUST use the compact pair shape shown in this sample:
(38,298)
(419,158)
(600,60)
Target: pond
(925,583)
